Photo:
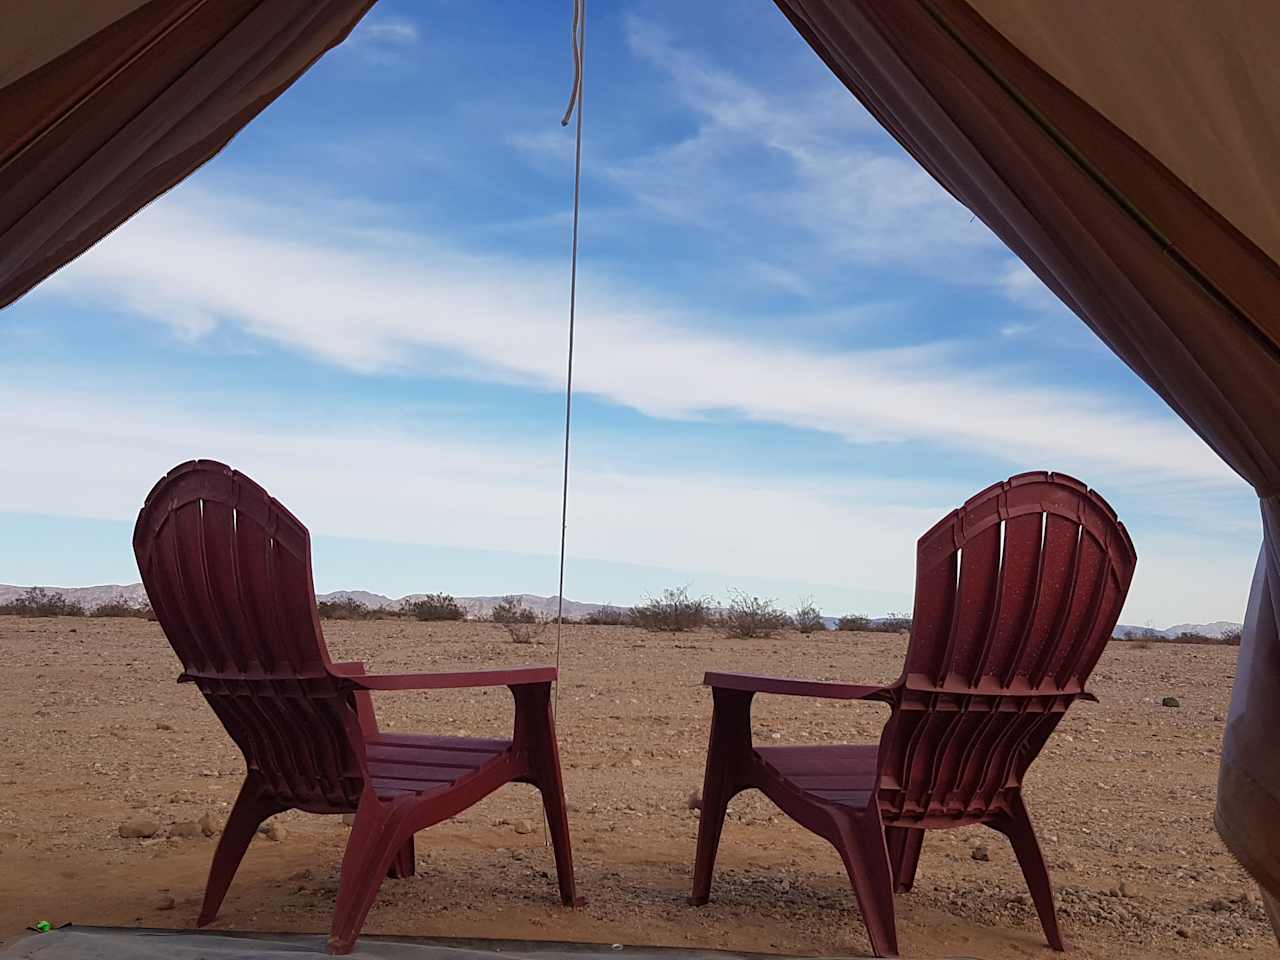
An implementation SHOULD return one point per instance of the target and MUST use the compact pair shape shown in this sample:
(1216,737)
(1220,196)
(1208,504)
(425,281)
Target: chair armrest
(510,677)
(751,683)
(351,668)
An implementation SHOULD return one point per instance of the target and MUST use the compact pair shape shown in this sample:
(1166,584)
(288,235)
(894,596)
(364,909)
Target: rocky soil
(115,781)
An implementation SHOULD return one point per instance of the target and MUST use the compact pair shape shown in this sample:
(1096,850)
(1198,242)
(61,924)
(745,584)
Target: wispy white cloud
(855,203)
(383,39)
(392,483)
(371,299)
(837,190)
(1019,284)
(392,31)
(386,482)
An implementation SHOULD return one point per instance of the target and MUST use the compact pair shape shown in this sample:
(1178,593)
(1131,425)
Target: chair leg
(536,732)
(376,840)
(405,862)
(247,814)
(729,748)
(866,858)
(1018,828)
(904,855)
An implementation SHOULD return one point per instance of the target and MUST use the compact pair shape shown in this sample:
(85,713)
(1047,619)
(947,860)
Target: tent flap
(93,134)
(1141,235)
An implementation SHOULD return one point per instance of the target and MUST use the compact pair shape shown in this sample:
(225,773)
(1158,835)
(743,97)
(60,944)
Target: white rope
(575,104)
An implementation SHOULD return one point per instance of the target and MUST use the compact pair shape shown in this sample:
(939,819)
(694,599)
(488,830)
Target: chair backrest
(228,573)
(1017,594)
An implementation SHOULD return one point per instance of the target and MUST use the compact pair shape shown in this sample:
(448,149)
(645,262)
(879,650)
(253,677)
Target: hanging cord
(575,104)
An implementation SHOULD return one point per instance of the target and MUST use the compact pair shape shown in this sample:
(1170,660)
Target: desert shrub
(891,623)
(749,616)
(512,610)
(123,608)
(1142,640)
(521,624)
(38,602)
(521,631)
(346,609)
(607,616)
(673,612)
(1226,640)
(435,606)
(808,618)
(853,623)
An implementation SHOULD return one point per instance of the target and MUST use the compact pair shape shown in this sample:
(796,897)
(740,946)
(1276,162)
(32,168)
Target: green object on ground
(43,926)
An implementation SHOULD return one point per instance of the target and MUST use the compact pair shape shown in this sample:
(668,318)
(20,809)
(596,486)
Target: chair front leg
(728,758)
(536,734)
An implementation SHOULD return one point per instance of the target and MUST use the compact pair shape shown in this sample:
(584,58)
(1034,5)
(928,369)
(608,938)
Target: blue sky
(795,352)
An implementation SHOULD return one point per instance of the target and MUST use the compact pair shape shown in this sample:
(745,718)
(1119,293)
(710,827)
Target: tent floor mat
(115,943)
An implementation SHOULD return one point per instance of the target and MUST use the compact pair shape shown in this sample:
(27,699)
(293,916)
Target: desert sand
(95,732)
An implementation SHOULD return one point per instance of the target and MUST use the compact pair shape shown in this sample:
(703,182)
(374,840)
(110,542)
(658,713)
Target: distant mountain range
(87,597)
(481,607)
(477,607)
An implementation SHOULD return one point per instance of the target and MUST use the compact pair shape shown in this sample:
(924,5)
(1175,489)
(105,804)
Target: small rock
(163,726)
(166,903)
(139,828)
(695,801)
(187,830)
(273,831)
(1183,933)
(524,826)
(209,825)
(349,819)
(1170,702)
(208,773)
(981,853)
(300,875)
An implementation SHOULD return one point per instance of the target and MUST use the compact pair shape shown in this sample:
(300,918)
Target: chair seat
(402,764)
(843,774)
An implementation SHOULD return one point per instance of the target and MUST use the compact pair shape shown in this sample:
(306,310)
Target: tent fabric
(104,106)
(1113,231)
(1194,83)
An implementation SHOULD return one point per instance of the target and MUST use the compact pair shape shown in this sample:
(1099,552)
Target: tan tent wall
(92,135)
(1193,82)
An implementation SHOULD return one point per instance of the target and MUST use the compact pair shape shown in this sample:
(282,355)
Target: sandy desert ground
(95,732)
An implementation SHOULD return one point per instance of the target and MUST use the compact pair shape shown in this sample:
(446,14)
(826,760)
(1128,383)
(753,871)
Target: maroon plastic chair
(228,572)
(1017,593)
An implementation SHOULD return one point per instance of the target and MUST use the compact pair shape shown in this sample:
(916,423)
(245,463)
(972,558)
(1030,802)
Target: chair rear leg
(866,859)
(405,862)
(247,814)
(1018,828)
(904,855)
(728,749)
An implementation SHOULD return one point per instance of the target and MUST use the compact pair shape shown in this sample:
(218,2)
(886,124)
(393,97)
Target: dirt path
(95,732)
